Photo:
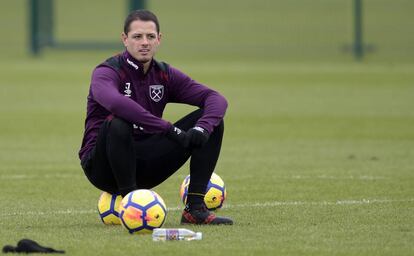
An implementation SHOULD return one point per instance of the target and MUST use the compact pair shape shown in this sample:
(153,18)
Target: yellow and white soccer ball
(215,193)
(108,208)
(141,211)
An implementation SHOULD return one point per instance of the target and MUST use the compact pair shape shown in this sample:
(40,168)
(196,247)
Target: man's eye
(151,36)
(136,36)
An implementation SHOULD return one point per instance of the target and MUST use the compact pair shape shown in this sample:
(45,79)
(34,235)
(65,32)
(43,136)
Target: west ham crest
(156,92)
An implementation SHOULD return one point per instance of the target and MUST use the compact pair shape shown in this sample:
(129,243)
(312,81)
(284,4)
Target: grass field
(318,156)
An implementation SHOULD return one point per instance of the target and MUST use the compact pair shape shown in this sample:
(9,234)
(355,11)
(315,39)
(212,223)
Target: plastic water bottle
(167,234)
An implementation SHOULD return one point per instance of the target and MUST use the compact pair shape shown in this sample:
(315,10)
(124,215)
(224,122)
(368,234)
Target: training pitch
(318,156)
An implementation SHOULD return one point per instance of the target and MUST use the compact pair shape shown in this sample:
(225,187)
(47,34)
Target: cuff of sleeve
(206,127)
(168,127)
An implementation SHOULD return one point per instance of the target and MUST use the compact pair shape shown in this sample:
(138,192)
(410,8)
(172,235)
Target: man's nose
(144,40)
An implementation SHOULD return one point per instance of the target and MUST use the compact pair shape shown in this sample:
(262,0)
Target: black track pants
(119,164)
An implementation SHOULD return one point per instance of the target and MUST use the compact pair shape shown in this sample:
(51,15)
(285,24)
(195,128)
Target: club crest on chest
(156,92)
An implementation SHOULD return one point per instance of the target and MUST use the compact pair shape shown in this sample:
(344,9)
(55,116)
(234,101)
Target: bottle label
(172,234)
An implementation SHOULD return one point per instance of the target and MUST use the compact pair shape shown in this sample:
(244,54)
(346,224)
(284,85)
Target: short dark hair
(143,15)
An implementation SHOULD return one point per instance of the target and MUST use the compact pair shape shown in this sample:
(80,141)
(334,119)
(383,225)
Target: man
(127,145)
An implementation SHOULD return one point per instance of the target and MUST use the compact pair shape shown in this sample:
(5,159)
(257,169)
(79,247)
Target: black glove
(178,135)
(198,137)
(29,246)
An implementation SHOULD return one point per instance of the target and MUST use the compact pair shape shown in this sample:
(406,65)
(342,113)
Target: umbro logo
(127,90)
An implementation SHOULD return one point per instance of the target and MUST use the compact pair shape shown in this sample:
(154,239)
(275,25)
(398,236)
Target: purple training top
(141,98)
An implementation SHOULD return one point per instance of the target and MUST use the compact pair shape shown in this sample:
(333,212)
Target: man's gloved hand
(198,137)
(179,136)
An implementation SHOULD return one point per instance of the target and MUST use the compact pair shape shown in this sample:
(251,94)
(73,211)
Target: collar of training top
(134,64)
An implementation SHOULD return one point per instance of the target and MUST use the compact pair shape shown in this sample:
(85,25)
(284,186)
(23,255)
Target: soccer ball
(215,193)
(141,211)
(108,208)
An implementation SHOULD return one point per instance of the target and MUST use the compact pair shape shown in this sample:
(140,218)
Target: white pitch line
(299,177)
(230,206)
(38,176)
(328,177)
(322,203)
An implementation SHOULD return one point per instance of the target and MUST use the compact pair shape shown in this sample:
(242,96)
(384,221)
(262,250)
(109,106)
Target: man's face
(142,40)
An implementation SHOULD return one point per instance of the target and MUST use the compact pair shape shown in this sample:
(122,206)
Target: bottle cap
(198,235)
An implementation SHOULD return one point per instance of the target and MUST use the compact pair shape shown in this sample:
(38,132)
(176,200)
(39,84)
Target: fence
(243,29)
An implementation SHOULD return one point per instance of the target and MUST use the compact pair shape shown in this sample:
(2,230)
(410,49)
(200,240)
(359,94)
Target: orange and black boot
(200,215)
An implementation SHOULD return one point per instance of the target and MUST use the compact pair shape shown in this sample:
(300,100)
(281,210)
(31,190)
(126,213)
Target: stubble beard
(145,59)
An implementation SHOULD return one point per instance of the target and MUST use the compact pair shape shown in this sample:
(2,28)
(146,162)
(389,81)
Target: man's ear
(159,37)
(124,38)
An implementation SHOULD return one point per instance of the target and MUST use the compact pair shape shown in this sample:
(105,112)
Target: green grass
(318,154)
(298,138)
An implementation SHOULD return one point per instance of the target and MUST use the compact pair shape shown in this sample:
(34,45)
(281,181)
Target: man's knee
(120,128)
(219,129)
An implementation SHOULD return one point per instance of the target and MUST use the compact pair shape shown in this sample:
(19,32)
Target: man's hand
(197,137)
(179,136)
